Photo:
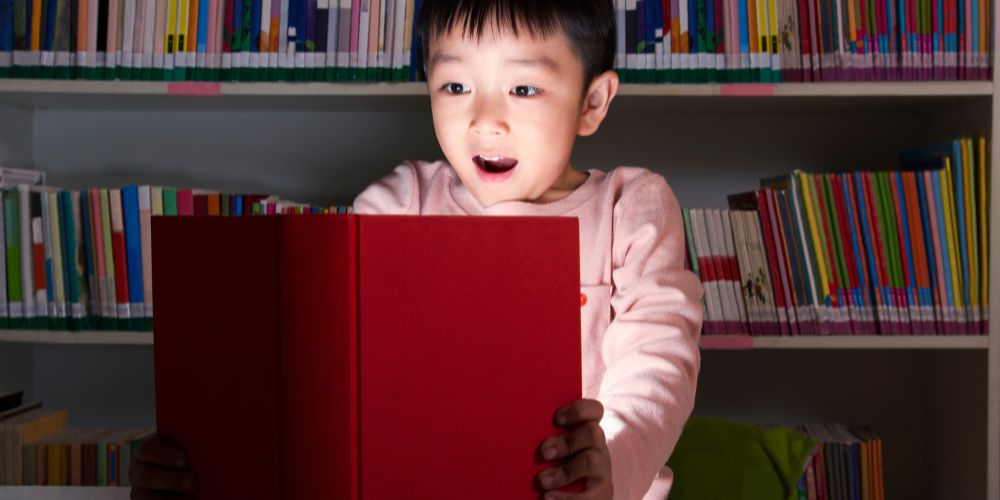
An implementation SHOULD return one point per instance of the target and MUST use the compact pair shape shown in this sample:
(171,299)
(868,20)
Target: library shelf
(742,342)
(79,338)
(412,96)
(64,492)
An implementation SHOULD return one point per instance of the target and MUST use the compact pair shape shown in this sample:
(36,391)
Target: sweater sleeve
(651,345)
(394,194)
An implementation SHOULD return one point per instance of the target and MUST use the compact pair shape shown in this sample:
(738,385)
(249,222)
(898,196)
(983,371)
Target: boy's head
(512,83)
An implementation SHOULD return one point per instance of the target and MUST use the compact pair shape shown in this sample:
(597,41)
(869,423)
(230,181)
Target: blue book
(341,210)
(239,206)
(640,40)
(931,292)
(710,70)
(302,28)
(743,74)
(70,274)
(692,73)
(133,257)
(906,251)
(650,50)
(946,257)
(661,65)
(201,47)
(93,319)
(415,47)
(876,286)
(794,248)
(6,37)
(254,73)
(855,247)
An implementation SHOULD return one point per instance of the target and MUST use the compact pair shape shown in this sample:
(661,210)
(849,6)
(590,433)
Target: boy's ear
(597,101)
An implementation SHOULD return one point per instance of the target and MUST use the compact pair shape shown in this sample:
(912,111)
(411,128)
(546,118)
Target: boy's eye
(524,91)
(456,88)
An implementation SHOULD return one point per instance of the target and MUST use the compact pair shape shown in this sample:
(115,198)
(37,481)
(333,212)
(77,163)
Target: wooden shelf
(64,493)
(411,96)
(742,342)
(80,338)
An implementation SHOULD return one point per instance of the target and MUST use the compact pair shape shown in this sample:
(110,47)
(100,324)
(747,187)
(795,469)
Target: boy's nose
(489,118)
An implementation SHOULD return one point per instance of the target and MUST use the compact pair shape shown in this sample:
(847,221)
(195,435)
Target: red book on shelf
(121,264)
(365,357)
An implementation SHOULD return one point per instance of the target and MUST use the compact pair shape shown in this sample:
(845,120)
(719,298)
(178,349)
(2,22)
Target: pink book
(940,297)
(373,21)
(109,61)
(185,202)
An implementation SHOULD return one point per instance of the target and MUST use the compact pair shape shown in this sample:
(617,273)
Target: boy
(512,83)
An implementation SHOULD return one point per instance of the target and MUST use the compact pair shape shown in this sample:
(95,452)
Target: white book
(397,38)
(362,56)
(727,232)
(712,299)
(27,261)
(620,34)
(332,30)
(716,244)
(128,33)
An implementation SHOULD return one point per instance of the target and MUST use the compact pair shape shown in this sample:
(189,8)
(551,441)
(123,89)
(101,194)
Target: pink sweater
(642,313)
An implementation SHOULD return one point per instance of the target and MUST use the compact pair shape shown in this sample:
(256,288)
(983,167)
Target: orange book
(213,204)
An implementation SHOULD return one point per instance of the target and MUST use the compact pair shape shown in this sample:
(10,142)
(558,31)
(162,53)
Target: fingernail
(549,453)
(561,419)
(547,481)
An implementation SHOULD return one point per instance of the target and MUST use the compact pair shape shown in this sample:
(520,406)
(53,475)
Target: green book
(110,322)
(169,201)
(28,458)
(3,271)
(12,242)
(102,464)
(224,205)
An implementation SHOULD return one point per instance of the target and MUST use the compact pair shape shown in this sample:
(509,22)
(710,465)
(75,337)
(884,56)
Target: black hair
(588,24)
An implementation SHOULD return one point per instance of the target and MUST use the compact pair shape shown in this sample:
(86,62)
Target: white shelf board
(412,96)
(80,338)
(64,492)
(739,342)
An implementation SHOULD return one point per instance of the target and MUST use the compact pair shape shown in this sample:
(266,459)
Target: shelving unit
(935,401)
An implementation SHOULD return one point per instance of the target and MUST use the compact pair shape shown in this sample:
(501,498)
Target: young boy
(512,83)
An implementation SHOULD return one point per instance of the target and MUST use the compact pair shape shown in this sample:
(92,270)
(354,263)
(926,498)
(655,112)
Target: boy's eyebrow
(532,61)
(441,57)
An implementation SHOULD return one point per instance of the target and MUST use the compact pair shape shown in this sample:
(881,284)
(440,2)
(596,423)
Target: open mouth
(494,164)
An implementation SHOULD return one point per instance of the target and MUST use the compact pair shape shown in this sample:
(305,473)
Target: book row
(210,40)
(82,260)
(36,448)
(846,465)
(746,41)
(893,253)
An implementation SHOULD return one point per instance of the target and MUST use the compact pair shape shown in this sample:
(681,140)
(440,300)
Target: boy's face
(506,111)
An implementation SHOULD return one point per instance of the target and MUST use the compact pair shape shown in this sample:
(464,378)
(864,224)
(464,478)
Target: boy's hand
(159,470)
(586,450)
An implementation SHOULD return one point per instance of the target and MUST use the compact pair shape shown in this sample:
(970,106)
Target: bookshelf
(935,401)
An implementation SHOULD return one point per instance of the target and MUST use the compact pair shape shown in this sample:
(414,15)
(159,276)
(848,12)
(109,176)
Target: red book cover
(330,354)
(847,250)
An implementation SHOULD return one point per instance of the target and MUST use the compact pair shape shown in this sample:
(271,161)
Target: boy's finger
(589,463)
(154,450)
(578,412)
(144,494)
(153,477)
(588,435)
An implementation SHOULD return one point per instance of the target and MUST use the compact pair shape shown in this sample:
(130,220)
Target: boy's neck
(569,181)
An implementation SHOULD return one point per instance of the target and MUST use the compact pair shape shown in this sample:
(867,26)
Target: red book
(121,264)
(315,356)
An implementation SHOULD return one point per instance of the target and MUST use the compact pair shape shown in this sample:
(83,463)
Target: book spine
(103,211)
(120,259)
(146,211)
(133,255)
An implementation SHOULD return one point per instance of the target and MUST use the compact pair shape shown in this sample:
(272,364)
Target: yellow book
(984,253)
(26,428)
(971,236)
(949,224)
(817,244)
(109,257)
(36,25)
(182,26)
(54,460)
(171,43)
